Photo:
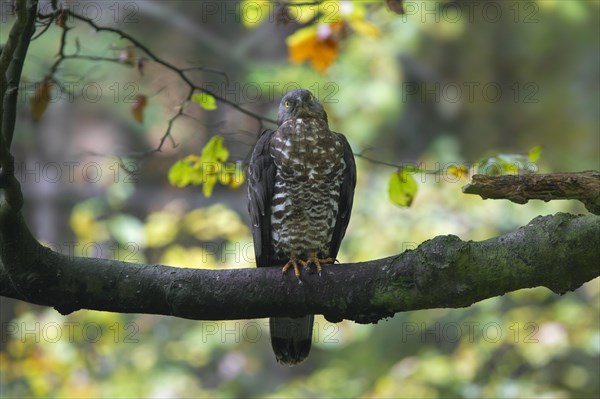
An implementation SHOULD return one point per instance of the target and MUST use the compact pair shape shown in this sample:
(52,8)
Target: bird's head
(300,103)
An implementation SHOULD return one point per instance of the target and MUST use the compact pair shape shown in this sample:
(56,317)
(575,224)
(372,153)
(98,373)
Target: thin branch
(169,66)
(46,27)
(582,186)
(206,69)
(376,161)
(181,72)
(93,58)
(559,252)
(170,126)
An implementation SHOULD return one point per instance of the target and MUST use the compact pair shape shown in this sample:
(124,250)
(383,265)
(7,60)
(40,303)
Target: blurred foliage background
(445,83)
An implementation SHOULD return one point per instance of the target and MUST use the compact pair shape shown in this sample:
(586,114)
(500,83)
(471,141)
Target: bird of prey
(301,180)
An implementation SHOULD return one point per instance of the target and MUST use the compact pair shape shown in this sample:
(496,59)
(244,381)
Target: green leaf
(205,100)
(208,186)
(181,173)
(207,169)
(534,153)
(402,188)
(215,151)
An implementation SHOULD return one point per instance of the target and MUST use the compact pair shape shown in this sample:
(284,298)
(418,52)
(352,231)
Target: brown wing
(346,198)
(261,182)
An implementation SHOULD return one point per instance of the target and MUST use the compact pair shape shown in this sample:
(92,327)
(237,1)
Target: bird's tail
(291,338)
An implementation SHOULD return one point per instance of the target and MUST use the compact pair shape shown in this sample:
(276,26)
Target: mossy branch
(559,252)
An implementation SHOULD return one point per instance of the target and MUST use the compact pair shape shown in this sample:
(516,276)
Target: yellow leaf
(458,171)
(237,179)
(205,100)
(40,100)
(402,188)
(232,176)
(224,177)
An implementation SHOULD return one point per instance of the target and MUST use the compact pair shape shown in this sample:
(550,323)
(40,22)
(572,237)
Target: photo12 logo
(265,92)
(254,330)
(491,332)
(71,91)
(118,12)
(470,92)
(52,332)
(76,172)
(471,11)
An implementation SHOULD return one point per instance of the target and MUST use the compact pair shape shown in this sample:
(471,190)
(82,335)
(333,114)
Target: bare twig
(180,72)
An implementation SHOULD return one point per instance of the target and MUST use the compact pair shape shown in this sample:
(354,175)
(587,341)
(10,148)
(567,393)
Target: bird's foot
(293,263)
(315,260)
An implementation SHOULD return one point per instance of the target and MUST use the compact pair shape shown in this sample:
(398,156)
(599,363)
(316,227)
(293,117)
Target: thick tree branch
(582,186)
(11,65)
(560,252)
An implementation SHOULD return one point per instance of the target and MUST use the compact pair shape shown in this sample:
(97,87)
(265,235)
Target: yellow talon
(314,259)
(292,263)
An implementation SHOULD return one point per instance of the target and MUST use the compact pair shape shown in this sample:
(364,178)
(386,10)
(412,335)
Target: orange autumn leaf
(306,45)
(139,104)
(40,100)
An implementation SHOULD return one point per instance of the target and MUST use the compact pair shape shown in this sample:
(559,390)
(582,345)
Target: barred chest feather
(310,166)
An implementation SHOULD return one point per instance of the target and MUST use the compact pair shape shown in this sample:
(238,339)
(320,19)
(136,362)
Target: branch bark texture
(582,186)
(559,252)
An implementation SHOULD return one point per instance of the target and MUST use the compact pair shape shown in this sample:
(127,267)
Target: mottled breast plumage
(310,164)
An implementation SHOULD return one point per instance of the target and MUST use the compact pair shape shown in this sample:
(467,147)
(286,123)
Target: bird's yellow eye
(287,104)
(311,97)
